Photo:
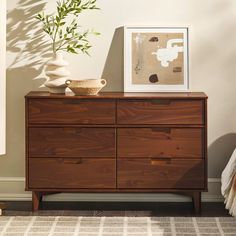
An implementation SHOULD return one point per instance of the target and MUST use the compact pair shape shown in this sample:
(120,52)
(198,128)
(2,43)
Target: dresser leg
(36,197)
(197,202)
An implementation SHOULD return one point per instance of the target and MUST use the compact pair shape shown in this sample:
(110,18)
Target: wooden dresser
(116,142)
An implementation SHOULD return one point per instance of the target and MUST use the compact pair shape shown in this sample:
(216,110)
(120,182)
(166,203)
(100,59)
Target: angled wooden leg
(197,202)
(36,196)
(2,207)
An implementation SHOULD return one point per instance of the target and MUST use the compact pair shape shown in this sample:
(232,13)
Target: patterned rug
(116,226)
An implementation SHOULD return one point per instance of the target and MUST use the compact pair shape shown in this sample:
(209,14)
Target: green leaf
(57,19)
(47,19)
(87,53)
(46,30)
(72,50)
(39,17)
(60,34)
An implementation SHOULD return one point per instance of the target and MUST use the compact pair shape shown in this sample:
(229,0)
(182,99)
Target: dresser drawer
(71,111)
(160,142)
(160,112)
(72,142)
(66,173)
(160,173)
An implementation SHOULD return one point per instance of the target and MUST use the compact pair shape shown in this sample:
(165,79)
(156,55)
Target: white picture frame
(128,60)
(3,77)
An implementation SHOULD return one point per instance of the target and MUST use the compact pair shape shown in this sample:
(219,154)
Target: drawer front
(62,173)
(71,111)
(161,112)
(72,142)
(160,142)
(164,174)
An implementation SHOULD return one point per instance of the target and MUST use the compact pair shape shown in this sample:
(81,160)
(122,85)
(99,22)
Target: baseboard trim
(214,180)
(12,189)
(12,179)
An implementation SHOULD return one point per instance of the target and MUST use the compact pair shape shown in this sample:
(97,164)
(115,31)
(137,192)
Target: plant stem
(54,40)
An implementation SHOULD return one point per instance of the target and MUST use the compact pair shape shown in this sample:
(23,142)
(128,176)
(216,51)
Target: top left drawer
(71,111)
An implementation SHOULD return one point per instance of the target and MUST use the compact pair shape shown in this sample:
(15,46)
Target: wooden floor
(116,209)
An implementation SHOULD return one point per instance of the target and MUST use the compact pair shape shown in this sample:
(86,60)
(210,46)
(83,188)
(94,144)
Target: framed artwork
(156,59)
(3,77)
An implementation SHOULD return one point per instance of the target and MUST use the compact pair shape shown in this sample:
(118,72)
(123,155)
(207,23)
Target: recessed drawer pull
(161,102)
(163,130)
(71,101)
(73,162)
(157,161)
(72,130)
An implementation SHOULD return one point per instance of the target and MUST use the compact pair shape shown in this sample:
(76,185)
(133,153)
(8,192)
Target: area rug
(116,226)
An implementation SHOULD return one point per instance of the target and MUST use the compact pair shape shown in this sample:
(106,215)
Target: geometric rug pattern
(116,226)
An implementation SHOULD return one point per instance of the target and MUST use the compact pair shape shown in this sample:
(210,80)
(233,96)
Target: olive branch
(68,36)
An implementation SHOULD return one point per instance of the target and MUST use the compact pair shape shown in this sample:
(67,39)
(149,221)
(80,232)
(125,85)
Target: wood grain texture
(160,142)
(116,142)
(147,173)
(117,190)
(197,202)
(206,142)
(26,143)
(119,95)
(160,112)
(72,111)
(72,142)
(35,200)
(78,173)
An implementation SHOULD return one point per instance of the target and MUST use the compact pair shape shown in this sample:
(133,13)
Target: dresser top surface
(121,95)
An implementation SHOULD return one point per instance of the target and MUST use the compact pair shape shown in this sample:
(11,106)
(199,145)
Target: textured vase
(57,74)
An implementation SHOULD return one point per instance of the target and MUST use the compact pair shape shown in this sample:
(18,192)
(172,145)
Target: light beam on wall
(3,77)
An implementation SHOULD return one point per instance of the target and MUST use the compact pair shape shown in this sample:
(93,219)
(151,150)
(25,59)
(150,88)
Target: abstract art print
(156,59)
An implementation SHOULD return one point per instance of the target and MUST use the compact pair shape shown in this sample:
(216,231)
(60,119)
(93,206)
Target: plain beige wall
(212,58)
(3,79)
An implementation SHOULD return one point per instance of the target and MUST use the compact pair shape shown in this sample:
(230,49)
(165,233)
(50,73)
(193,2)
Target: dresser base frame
(37,197)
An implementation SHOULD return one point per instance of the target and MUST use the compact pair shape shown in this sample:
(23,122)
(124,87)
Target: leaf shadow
(27,42)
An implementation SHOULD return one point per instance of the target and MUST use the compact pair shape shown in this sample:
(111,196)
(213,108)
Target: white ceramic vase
(57,74)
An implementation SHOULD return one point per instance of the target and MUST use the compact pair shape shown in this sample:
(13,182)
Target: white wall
(212,62)
(2,77)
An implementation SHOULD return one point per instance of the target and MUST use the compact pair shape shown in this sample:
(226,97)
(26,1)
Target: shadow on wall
(25,40)
(114,67)
(27,51)
(219,153)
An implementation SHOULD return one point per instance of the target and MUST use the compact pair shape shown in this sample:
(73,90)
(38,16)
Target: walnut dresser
(116,142)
